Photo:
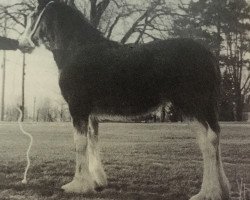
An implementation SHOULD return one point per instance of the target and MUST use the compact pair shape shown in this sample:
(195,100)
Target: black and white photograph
(124,99)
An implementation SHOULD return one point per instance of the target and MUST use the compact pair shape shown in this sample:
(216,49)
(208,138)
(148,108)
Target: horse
(103,79)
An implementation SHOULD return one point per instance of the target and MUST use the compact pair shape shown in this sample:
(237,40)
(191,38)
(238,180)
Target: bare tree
(146,20)
(15,17)
(138,20)
(97,10)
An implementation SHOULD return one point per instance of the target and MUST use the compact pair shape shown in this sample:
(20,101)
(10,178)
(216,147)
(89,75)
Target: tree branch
(113,26)
(244,87)
(146,14)
(97,11)
(133,27)
(15,19)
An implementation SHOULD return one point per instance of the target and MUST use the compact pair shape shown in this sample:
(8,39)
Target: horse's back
(163,68)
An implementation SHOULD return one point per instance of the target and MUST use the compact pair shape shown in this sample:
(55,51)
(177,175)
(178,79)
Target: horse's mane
(73,16)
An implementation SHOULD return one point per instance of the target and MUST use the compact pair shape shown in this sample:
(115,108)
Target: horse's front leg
(83,181)
(95,164)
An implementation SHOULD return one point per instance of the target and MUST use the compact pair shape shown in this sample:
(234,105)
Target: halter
(36,25)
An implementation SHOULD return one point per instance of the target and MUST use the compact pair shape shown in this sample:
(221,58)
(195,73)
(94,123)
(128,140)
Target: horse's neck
(66,50)
(61,57)
(67,57)
(74,42)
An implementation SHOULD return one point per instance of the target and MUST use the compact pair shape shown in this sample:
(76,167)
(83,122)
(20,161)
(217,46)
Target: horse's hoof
(99,188)
(210,196)
(100,181)
(79,186)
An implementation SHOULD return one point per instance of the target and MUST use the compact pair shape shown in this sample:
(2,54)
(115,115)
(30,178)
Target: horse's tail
(212,110)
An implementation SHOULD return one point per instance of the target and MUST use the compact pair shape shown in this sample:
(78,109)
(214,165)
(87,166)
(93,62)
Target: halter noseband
(36,24)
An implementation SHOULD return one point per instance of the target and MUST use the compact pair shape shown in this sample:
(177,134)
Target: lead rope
(24,181)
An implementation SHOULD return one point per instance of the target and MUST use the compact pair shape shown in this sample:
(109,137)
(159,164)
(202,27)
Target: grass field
(142,161)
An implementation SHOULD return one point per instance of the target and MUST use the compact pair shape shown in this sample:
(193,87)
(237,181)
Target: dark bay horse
(102,79)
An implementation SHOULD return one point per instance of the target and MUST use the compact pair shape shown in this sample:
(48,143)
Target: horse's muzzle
(25,46)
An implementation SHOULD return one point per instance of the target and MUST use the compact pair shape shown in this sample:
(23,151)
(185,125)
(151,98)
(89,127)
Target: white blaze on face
(25,40)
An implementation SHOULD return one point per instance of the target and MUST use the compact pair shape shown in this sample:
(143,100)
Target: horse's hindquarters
(215,185)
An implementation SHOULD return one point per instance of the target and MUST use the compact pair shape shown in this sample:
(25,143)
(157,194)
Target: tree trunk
(154,118)
(23,87)
(239,110)
(239,104)
(218,27)
(163,114)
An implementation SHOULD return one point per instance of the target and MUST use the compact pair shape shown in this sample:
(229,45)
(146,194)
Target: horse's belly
(116,118)
(124,111)
(123,116)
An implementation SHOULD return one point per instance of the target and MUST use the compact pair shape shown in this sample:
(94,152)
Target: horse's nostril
(26,49)
(24,46)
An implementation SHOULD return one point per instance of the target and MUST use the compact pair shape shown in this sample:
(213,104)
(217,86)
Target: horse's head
(35,28)
(57,26)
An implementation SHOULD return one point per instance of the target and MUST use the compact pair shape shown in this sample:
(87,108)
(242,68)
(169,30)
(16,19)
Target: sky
(41,78)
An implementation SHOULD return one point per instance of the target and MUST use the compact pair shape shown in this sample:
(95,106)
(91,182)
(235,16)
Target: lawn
(142,161)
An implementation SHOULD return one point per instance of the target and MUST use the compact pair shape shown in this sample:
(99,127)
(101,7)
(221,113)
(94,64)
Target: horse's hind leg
(95,164)
(83,181)
(215,185)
